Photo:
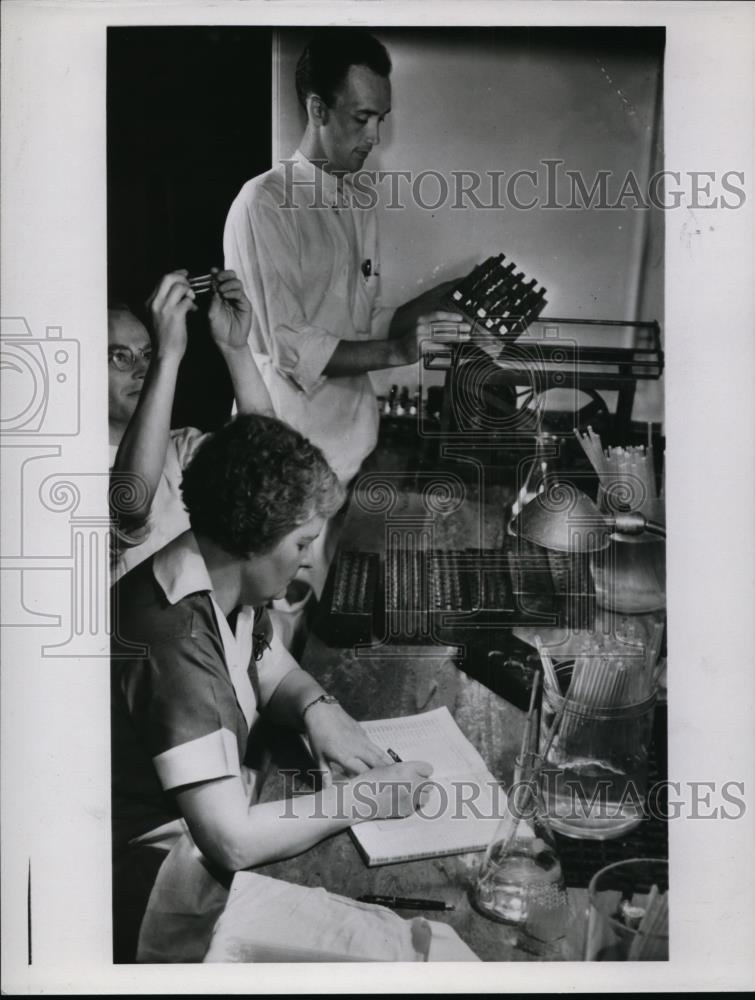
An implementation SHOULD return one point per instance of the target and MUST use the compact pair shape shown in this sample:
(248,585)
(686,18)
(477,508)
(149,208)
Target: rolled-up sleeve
(260,245)
(381,315)
(380,325)
(186,441)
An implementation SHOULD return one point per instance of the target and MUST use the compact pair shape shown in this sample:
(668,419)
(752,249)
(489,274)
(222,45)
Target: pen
(405,903)
(394,755)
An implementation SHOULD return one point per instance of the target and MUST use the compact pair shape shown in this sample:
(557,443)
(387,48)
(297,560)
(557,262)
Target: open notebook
(465,804)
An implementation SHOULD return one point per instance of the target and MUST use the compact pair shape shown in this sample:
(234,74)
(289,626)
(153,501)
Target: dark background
(188,122)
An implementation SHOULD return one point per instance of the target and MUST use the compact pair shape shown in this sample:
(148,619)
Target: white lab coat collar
(180,570)
(334,190)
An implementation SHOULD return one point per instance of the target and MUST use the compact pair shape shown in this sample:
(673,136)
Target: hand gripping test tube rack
(515,355)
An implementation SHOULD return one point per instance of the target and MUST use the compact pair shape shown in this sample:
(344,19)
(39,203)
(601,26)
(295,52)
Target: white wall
(484,100)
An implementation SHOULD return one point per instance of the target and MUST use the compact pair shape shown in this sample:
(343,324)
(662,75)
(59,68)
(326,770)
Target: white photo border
(55,763)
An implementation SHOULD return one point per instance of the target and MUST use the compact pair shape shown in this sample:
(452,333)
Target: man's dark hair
(254,481)
(325,61)
(118,302)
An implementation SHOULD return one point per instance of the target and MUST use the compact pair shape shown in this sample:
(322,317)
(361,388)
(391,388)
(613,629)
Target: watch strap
(325,699)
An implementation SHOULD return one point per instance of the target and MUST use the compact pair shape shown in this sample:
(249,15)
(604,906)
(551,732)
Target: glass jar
(630,575)
(628,915)
(593,783)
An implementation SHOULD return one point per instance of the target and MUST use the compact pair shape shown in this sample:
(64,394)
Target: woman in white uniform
(194,662)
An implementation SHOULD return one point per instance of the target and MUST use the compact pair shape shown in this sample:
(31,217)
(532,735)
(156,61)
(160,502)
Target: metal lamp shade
(565,519)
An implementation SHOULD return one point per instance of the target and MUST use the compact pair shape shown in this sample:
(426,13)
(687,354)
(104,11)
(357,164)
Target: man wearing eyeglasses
(147,458)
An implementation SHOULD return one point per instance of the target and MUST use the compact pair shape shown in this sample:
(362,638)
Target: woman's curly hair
(255,480)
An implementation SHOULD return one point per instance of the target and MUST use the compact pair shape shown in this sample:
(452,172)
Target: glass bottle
(392,400)
(520,882)
(541,471)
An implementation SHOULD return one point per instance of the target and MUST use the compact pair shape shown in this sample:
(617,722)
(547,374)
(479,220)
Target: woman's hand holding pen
(389,792)
(230,313)
(168,304)
(380,785)
(337,739)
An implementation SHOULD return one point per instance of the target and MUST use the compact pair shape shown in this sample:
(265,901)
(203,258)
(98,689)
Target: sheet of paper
(432,736)
(465,803)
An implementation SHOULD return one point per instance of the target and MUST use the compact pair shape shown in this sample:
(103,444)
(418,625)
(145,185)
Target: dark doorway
(188,121)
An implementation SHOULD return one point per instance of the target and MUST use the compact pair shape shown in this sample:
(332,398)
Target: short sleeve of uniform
(185,711)
(184,441)
(167,507)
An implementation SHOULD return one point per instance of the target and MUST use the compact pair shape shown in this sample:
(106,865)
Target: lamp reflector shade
(565,519)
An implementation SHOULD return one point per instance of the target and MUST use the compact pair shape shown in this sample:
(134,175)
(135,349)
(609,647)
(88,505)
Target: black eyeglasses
(124,359)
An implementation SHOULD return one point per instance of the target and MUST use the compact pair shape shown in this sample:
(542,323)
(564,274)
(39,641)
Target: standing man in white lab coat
(307,254)
(308,258)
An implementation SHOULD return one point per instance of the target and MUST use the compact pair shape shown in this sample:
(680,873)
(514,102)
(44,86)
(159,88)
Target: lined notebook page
(465,803)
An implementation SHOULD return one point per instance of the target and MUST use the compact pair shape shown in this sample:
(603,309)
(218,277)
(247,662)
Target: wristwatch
(324,699)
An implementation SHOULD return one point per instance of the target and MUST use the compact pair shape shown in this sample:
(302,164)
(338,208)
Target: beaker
(520,882)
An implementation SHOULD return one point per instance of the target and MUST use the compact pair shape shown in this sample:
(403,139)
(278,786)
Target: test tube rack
(497,299)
